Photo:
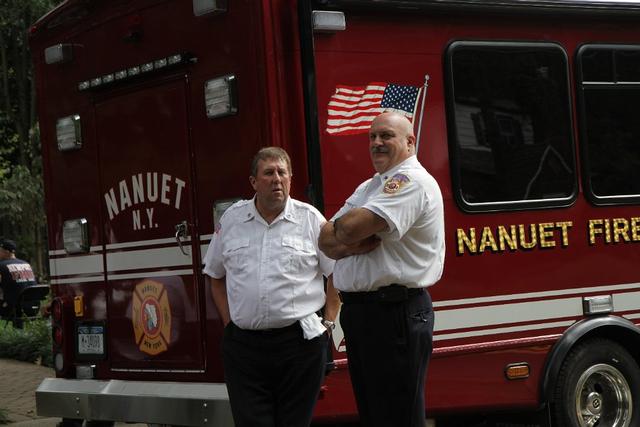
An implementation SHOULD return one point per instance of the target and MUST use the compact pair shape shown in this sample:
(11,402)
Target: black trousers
(389,345)
(273,377)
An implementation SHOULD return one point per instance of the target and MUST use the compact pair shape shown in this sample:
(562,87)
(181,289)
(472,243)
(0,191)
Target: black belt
(386,294)
(294,328)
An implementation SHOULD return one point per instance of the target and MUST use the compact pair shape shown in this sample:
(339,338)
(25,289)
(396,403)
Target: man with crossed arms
(387,316)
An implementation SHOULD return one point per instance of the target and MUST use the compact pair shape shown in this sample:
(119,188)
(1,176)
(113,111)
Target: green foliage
(21,207)
(30,344)
(21,196)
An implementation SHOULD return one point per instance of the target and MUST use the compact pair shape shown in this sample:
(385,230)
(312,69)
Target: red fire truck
(150,111)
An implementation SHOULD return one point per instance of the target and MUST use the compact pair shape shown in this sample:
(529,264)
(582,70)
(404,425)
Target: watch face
(328,324)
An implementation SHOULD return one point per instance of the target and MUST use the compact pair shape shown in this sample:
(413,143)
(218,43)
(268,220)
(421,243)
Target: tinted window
(597,66)
(512,126)
(627,63)
(610,125)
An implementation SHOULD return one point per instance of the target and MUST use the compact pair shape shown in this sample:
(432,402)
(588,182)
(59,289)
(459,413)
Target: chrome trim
(620,7)
(186,404)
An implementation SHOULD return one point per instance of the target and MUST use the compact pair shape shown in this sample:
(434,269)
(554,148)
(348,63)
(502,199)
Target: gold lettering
(595,228)
(544,232)
(565,225)
(487,239)
(509,237)
(620,228)
(534,239)
(469,242)
(635,229)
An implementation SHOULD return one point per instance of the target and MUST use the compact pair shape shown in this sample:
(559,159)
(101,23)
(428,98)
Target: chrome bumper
(185,404)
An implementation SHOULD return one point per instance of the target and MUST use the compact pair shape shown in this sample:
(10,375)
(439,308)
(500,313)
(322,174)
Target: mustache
(379,149)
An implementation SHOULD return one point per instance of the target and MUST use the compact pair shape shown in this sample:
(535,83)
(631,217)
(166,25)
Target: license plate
(91,340)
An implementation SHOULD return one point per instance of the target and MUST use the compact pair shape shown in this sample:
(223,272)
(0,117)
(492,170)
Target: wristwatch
(329,324)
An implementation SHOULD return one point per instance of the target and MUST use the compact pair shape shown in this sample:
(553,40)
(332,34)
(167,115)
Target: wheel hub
(594,403)
(603,398)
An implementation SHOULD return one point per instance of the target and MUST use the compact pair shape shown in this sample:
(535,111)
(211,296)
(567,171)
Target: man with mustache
(387,316)
(266,273)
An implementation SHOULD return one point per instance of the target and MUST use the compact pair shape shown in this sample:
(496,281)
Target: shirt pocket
(236,255)
(300,253)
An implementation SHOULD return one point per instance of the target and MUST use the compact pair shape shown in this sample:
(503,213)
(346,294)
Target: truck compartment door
(153,291)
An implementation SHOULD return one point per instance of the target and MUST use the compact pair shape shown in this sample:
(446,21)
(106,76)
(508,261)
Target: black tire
(69,422)
(598,386)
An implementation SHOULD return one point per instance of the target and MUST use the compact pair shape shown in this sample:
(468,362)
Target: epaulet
(237,205)
(304,206)
(363,185)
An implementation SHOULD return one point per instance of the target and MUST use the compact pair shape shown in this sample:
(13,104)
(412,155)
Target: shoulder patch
(395,183)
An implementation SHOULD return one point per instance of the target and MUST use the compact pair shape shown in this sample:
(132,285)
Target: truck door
(153,295)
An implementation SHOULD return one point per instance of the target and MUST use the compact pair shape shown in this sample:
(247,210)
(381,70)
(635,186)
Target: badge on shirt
(395,183)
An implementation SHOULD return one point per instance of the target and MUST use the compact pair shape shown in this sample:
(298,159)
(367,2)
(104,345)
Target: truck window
(609,84)
(510,131)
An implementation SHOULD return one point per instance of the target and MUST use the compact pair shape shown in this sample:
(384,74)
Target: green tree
(21,206)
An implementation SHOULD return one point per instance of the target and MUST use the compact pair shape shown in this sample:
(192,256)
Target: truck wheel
(69,422)
(598,386)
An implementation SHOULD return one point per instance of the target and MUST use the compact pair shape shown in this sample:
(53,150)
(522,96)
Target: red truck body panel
(151,159)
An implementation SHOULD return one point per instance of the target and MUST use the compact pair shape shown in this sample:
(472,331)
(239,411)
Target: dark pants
(273,377)
(389,345)
(9,300)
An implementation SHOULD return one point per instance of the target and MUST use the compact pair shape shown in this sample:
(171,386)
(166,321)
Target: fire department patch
(395,183)
(151,317)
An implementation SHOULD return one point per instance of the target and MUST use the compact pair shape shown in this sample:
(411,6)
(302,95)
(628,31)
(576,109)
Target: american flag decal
(352,109)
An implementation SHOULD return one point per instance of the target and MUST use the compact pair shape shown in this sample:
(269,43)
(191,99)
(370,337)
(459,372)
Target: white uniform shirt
(412,252)
(273,271)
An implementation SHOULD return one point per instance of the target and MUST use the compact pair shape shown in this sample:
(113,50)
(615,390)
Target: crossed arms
(352,234)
